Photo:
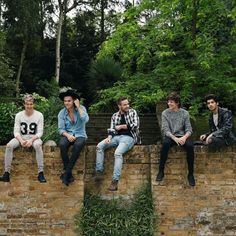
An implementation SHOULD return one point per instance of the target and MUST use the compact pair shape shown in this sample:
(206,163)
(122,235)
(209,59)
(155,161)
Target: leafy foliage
(185,46)
(7,116)
(116,217)
(7,85)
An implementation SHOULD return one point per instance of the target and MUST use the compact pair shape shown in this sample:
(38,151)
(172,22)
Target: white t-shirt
(215,119)
(28,126)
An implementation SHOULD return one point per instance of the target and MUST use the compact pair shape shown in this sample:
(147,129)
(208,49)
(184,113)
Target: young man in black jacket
(220,124)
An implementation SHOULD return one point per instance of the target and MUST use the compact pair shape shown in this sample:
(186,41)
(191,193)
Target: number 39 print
(28,129)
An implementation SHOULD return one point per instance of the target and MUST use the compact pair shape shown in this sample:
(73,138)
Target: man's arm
(62,127)
(82,111)
(227,125)
(17,130)
(39,133)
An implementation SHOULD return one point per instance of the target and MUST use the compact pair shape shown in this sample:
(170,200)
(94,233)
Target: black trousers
(216,142)
(64,145)
(167,144)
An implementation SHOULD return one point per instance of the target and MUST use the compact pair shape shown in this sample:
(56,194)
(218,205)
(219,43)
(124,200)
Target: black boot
(65,179)
(191,180)
(5,177)
(71,177)
(41,178)
(160,175)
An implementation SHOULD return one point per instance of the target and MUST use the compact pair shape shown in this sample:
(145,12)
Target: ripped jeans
(124,143)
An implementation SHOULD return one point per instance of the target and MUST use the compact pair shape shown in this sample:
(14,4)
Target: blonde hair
(28,97)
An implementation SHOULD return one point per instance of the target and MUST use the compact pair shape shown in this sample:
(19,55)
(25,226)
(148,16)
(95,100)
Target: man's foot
(5,177)
(191,180)
(160,175)
(98,176)
(41,177)
(71,178)
(113,186)
(65,179)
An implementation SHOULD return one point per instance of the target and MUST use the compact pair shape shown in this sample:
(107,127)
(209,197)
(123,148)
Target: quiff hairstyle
(28,97)
(211,96)
(119,100)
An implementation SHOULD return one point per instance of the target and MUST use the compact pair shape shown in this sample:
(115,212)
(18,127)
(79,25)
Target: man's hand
(107,140)
(119,127)
(208,139)
(180,141)
(28,143)
(202,137)
(77,103)
(71,138)
(23,143)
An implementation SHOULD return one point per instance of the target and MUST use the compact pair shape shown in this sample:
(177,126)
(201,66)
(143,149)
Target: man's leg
(215,142)
(125,144)
(166,145)
(14,143)
(64,145)
(190,160)
(101,147)
(76,149)
(37,144)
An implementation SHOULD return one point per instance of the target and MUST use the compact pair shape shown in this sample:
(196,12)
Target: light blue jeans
(124,143)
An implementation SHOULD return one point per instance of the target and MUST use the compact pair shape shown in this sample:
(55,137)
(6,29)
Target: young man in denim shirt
(71,125)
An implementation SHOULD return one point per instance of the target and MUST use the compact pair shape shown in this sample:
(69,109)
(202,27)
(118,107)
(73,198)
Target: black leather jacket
(225,126)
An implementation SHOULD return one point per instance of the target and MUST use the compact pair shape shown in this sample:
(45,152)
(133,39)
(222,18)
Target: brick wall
(206,209)
(30,208)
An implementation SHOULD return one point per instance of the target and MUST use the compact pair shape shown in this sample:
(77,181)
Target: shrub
(7,117)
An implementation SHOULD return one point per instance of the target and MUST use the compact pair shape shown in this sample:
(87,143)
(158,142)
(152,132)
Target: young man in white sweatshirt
(28,130)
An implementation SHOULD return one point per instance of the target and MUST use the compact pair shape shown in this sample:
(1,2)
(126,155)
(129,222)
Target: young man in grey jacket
(176,129)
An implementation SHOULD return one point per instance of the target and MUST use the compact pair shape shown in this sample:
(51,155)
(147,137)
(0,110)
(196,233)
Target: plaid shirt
(132,121)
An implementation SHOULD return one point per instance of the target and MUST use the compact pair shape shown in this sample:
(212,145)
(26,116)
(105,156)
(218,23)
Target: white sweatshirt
(28,126)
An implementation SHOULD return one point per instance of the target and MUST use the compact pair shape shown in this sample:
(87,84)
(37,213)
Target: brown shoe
(98,176)
(113,186)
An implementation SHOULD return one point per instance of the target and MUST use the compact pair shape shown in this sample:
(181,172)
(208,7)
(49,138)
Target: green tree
(187,46)
(22,24)
(7,85)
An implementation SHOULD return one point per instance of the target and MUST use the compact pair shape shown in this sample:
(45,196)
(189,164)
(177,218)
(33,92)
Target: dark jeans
(64,145)
(167,144)
(216,142)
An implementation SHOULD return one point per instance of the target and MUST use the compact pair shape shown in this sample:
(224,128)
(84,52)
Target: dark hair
(120,99)
(211,96)
(175,97)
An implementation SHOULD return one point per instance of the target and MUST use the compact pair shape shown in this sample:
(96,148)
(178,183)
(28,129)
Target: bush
(117,217)
(7,117)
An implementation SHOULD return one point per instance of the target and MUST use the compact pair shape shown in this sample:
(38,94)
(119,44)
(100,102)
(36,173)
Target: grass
(117,217)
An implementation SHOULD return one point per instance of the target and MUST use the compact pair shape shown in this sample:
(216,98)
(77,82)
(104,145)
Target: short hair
(211,96)
(120,99)
(28,97)
(175,97)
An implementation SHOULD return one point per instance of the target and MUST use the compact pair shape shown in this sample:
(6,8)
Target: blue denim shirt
(77,128)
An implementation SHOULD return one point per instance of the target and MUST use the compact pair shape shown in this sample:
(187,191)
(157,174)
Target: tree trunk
(22,58)
(0,12)
(102,21)
(58,46)
(63,8)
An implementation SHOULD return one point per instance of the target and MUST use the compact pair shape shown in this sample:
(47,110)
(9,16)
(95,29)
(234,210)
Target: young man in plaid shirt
(123,134)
